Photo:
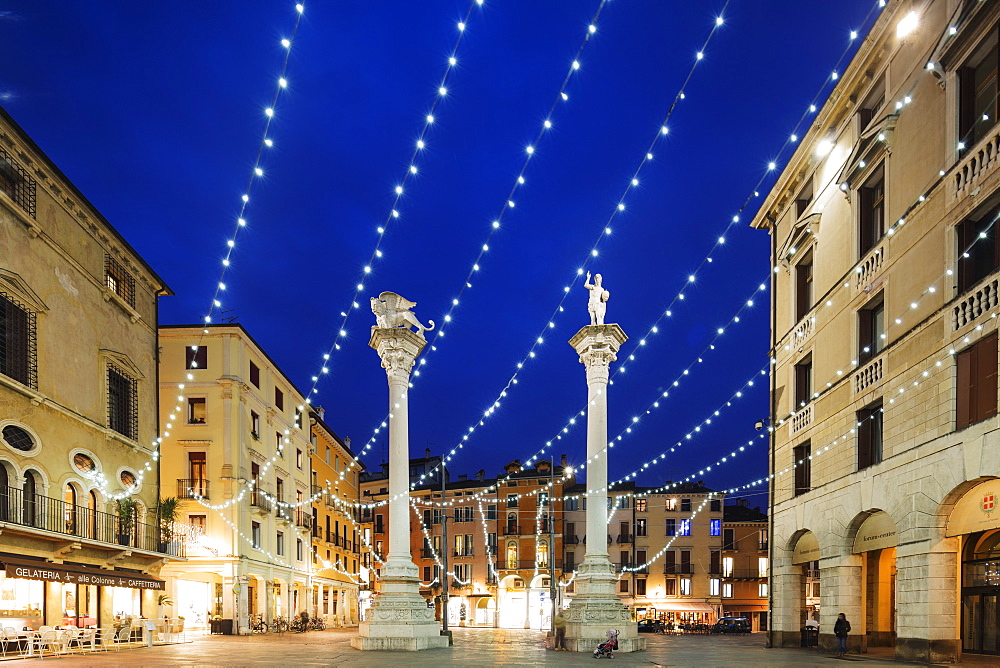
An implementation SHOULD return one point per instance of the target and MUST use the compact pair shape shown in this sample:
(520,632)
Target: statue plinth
(595,607)
(399,618)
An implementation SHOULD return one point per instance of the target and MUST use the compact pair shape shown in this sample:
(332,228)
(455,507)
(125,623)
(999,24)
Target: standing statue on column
(597,306)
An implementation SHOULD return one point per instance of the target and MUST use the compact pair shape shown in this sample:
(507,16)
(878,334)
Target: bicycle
(280,624)
(298,625)
(317,624)
(257,624)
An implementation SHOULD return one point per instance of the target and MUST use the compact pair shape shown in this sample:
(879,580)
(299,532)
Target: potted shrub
(126,519)
(162,600)
(167,514)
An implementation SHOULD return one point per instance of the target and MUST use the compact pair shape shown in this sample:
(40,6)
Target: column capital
(598,345)
(398,348)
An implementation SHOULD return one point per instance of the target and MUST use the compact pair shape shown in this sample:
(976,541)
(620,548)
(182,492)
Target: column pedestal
(399,618)
(596,607)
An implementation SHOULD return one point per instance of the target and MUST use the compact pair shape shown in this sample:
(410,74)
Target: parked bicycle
(299,625)
(280,624)
(316,624)
(257,624)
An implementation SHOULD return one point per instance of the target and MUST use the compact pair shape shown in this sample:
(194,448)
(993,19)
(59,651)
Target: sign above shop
(876,533)
(806,549)
(976,510)
(79,575)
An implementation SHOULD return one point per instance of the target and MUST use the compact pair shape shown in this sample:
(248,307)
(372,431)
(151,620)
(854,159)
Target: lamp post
(444,558)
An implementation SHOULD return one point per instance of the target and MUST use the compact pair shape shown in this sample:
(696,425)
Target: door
(980,624)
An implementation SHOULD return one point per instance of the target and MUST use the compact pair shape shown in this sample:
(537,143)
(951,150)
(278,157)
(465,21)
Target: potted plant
(167,514)
(126,519)
(162,600)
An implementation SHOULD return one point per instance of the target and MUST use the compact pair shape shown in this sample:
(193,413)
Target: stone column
(928,602)
(399,618)
(596,606)
(841,590)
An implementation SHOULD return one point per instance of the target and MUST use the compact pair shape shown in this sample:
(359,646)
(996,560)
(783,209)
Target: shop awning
(682,606)
(75,574)
(744,608)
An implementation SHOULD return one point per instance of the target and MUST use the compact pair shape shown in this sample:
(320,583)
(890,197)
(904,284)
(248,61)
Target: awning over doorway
(806,549)
(976,511)
(877,532)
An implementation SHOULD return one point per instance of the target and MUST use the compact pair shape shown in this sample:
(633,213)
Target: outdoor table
(30,636)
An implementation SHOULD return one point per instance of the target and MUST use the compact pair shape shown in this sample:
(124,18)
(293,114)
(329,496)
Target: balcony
(980,162)
(303,520)
(525,565)
(744,574)
(803,331)
(678,569)
(869,375)
(315,491)
(463,553)
(188,488)
(260,499)
(632,566)
(802,418)
(625,538)
(975,304)
(283,513)
(512,530)
(55,515)
(870,266)
(571,540)
(426,553)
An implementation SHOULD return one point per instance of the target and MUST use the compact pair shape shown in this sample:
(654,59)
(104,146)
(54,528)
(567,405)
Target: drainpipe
(770,443)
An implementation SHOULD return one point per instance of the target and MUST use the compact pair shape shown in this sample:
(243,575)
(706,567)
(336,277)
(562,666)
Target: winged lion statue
(393,310)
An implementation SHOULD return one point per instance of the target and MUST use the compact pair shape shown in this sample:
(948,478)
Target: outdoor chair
(46,640)
(11,642)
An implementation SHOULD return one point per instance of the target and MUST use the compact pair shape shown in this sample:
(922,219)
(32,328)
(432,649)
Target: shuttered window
(869,421)
(17,341)
(803,468)
(976,386)
(803,287)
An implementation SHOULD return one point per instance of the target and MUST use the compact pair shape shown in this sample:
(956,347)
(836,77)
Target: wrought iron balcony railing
(192,488)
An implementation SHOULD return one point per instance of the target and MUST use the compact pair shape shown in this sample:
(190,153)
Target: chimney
(564,461)
(481,475)
(427,453)
(347,441)
(320,411)
(743,502)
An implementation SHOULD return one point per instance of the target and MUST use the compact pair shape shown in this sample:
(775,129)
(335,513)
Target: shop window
(123,415)
(803,468)
(17,341)
(978,251)
(976,381)
(255,375)
(125,601)
(803,382)
(978,92)
(196,357)
(196,410)
(871,329)
(871,218)
(803,286)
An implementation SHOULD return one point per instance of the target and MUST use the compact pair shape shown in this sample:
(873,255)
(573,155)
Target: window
(491,511)
(978,251)
(623,586)
(298,548)
(427,573)
(16,183)
(200,521)
(255,425)
(872,106)
(328,455)
(686,561)
(685,527)
(715,562)
(542,554)
(804,199)
(728,539)
(670,587)
(123,415)
(978,92)
(803,468)
(685,586)
(640,587)
(871,329)
(640,527)
(869,421)
(762,590)
(196,410)
(727,590)
(127,479)
(871,220)
(715,527)
(82,462)
(19,439)
(512,500)
(671,527)
(379,524)
(543,498)
(762,567)
(279,399)
(255,534)
(715,505)
(976,381)
(803,286)
(640,505)
(714,586)
(196,357)
(255,375)
(119,281)
(298,458)
(685,505)
(670,504)
(17,338)
(512,555)
(803,382)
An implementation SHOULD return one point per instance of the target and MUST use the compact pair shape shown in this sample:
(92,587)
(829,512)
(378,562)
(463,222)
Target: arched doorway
(976,519)
(31,487)
(70,503)
(876,541)
(805,555)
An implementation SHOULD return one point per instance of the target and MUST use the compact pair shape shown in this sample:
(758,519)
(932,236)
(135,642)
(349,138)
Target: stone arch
(951,499)
(793,543)
(856,523)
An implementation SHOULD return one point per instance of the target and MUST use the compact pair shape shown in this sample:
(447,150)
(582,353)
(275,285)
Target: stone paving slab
(473,647)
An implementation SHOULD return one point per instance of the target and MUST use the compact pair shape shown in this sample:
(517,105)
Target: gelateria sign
(976,511)
(80,575)
(877,532)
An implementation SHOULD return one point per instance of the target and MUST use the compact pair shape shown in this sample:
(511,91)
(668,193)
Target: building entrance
(981,593)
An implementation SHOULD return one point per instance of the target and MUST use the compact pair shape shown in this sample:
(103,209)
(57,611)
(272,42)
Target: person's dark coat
(841,628)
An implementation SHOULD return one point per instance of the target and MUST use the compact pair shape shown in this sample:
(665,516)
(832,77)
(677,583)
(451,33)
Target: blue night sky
(156,112)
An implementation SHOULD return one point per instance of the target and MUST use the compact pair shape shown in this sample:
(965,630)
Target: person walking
(560,640)
(841,629)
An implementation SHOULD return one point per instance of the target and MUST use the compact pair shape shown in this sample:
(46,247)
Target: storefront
(33,593)
(678,612)
(876,541)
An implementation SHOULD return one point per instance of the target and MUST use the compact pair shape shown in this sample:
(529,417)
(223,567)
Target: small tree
(126,509)
(168,515)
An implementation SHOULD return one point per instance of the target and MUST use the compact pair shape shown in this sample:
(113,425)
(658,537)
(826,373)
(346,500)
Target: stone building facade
(884,381)
(78,405)
(235,448)
(745,564)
